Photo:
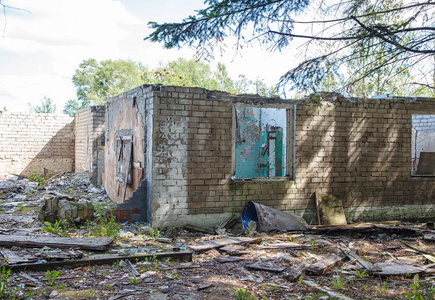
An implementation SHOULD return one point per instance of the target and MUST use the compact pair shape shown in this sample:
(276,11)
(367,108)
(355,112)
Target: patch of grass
(35,177)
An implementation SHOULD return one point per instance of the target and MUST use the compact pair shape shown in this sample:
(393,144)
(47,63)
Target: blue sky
(40,50)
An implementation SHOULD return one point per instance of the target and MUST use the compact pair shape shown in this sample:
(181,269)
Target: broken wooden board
(289,245)
(199,229)
(234,249)
(101,259)
(390,268)
(12,257)
(324,265)
(339,230)
(207,245)
(329,210)
(227,259)
(332,294)
(266,267)
(296,272)
(96,244)
(353,256)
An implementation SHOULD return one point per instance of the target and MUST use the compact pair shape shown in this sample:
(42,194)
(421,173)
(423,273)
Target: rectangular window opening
(423,145)
(261,142)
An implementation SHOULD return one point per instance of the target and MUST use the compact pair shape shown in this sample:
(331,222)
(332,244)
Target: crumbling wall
(356,149)
(31,142)
(89,145)
(193,162)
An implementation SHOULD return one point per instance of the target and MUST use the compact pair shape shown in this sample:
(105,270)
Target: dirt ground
(392,260)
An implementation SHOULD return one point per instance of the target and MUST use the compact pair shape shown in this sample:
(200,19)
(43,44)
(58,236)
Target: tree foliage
(388,36)
(47,107)
(95,82)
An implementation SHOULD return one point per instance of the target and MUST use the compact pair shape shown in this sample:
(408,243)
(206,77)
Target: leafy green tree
(74,105)
(97,81)
(357,29)
(47,106)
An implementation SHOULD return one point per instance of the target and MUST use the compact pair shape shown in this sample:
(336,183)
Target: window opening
(423,145)
(261,142)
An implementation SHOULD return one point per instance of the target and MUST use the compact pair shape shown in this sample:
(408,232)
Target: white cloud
(41,50)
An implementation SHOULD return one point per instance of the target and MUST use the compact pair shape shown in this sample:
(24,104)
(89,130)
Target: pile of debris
(246,257)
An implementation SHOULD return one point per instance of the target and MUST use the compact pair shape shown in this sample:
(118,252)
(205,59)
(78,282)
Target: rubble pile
(62,258)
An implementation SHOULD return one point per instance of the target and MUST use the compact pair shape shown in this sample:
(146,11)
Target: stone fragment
(61,207)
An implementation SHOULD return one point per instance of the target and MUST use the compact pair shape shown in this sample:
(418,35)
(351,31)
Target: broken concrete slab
(56,207)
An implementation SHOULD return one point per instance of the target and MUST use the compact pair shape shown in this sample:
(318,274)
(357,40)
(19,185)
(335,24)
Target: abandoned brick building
(177,155)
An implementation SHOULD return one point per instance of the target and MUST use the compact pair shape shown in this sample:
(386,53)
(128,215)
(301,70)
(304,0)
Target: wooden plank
(100,260)
(353,256)
(266,267)
(289,245)
(234,249)
(227,259)
(207,245)
(96,244)
(390,268)
(14,258)
(296,272)
(332,294)
(199,229)
(324,265)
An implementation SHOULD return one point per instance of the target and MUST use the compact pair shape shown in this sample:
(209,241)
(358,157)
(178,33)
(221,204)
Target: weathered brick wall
(89,127)
(359,151)
(30,142)
(193,153)
(192,156)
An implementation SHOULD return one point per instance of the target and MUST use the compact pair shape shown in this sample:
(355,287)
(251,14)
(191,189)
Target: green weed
(313,244)
(420,292)
(173,275)
(35,177)
(134,280)
(56,228)
(243,294)
(105,222)
(51,276)
(338,282)
(361,274)
(4,287)
(155,233)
